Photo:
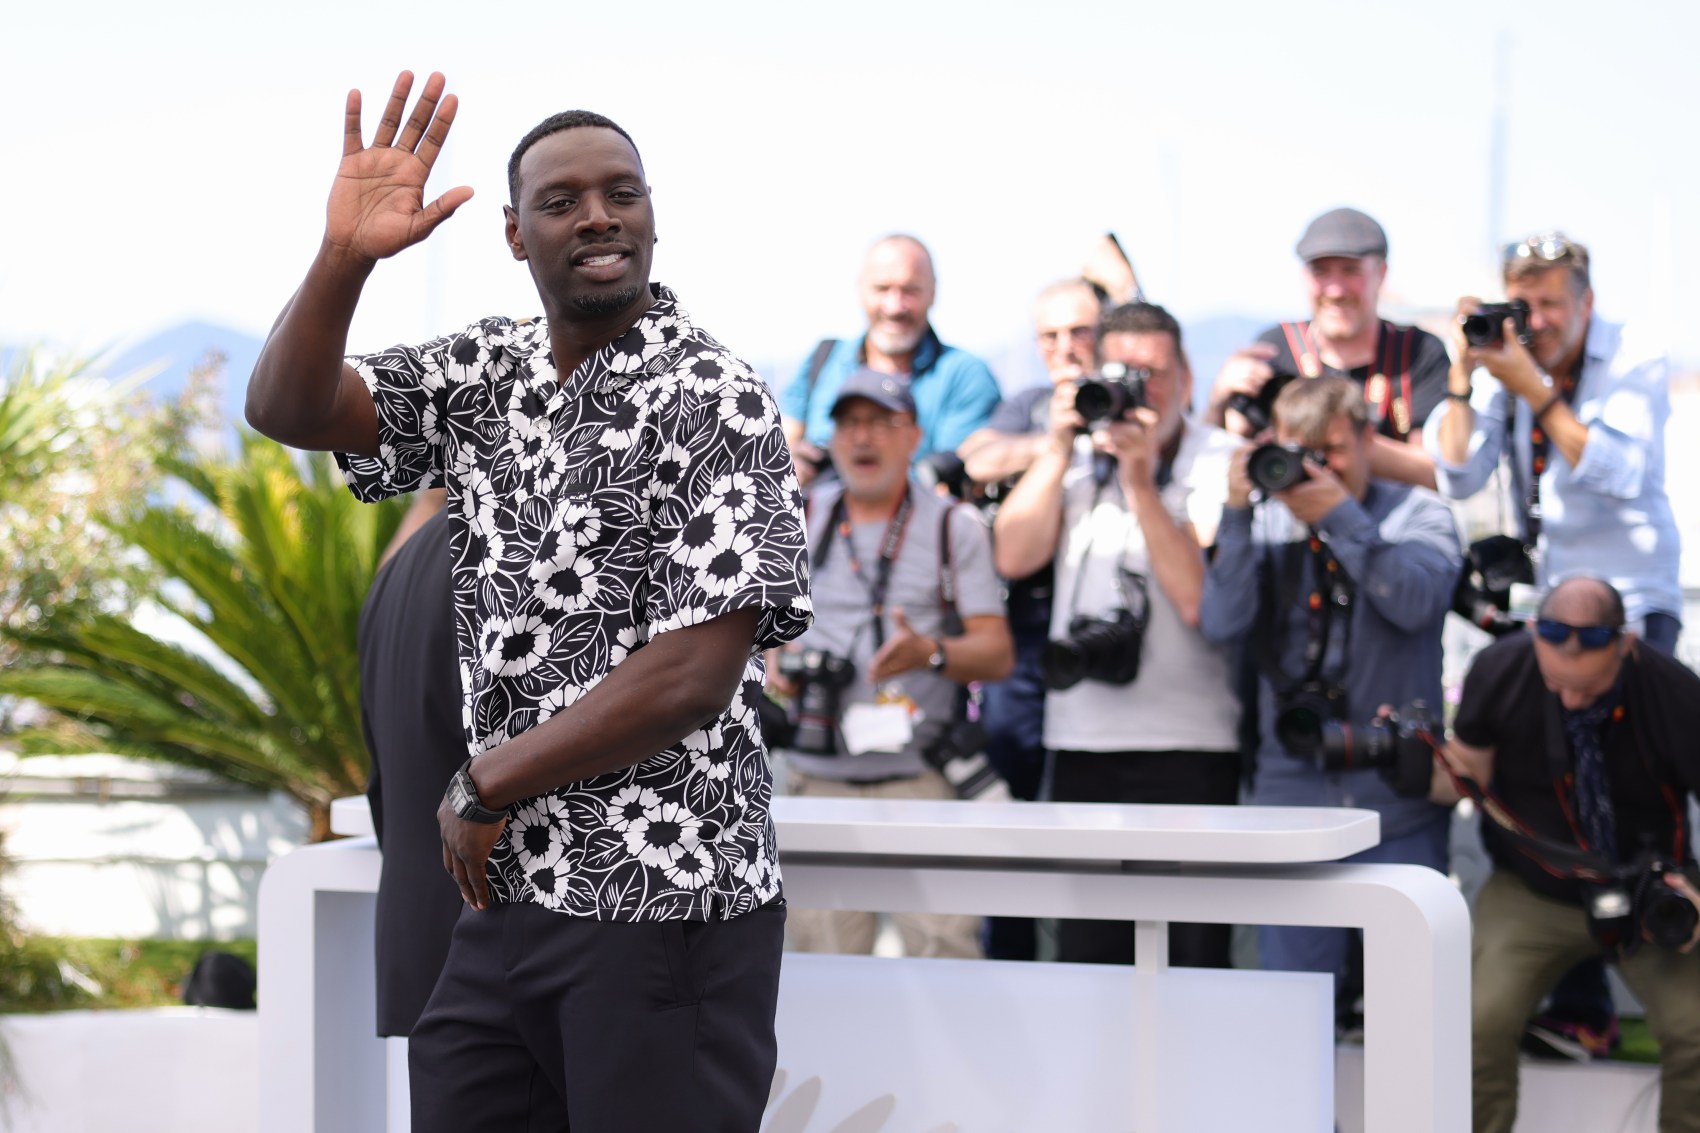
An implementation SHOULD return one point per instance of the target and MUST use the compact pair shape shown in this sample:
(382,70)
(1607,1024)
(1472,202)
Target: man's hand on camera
(1315,496)
(1240,486)
(1066,423)
(1133,442)
(1508,360)
(1245,371)
(904,651)
(1682,885)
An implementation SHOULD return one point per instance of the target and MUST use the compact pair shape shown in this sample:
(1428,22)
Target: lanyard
(1540,445)
(1393,349)
(1331,591)
(838,524)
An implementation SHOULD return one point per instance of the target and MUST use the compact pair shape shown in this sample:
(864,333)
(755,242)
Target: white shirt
(1182,699)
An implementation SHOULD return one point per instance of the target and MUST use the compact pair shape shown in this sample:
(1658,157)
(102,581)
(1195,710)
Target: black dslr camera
(1492,566)
(1273,467)
(821,679)
(1105,649)
(1636,904)
(1399,745)
(1259,408)
(956,749)
(1486,327)
(1110,393)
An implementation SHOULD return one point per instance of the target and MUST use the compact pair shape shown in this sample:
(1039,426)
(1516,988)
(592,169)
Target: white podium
(322,1069)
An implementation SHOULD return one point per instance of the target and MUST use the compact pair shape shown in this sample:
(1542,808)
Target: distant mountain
(171,354)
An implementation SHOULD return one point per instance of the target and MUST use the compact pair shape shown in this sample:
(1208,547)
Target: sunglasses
(1589,637)
(1550,247)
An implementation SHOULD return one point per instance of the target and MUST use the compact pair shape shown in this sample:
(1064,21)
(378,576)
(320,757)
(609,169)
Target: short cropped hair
(1571,255)
(1307,406)
(554,124)
(1140,317)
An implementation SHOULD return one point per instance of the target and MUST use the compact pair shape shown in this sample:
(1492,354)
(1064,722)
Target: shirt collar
(651,346)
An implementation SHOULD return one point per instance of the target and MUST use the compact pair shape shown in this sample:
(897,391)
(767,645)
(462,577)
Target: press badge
(876,727)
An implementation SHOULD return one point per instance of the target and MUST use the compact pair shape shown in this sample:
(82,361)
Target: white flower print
(579,524)
(517,645)
(528,439)
(692,869)
(671,463)
(623,428)
(732,566)
(707,748)
(700,539)
(478,502)
(566,582)
(663,834)
(539,833)
(630,805)
(732,498)
(557,699)
(747,408)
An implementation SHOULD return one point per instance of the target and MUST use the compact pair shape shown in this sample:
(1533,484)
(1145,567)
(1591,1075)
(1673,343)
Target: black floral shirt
(651,490)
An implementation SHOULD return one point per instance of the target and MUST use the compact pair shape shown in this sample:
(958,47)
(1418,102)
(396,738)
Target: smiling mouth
(601,261)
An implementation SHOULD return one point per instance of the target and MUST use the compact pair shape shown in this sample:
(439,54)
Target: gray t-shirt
(844,613)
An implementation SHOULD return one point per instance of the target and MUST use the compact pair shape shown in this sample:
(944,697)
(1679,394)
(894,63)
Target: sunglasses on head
(1548,247)
(1589,637)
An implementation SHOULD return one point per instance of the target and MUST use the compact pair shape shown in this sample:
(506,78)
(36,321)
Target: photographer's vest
(1387,389)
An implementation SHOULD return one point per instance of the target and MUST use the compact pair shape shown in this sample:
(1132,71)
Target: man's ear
(510,231)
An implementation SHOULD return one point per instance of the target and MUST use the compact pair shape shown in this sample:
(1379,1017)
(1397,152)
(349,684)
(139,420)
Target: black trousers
(1200,778)
(545,1022)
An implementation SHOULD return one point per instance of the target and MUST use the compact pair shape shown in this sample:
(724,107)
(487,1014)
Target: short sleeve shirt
(648,491)
(1409,360)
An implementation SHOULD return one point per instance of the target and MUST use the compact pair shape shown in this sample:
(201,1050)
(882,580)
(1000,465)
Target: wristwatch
(937,661)
(464,801)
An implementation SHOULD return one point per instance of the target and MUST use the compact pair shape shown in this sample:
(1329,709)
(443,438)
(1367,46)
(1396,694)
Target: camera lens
(1666,915)
(1481,330)
(1273,467)
(1098,401)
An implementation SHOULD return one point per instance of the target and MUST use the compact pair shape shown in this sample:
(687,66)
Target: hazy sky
(170,161)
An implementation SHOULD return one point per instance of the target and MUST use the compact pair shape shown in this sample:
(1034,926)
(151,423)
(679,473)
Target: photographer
(1585,411)
(878,679)
(1339,584)
(1401,370)
(1139,708)
(1585,741)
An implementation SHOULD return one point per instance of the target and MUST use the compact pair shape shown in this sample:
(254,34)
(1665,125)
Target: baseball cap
(883,390)
(1342,232)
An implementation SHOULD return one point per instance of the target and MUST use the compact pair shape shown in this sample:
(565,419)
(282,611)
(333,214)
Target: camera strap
(1386,385)
(811,372)
(1540,446)
(838,524)
(1331,594)
(1127,580)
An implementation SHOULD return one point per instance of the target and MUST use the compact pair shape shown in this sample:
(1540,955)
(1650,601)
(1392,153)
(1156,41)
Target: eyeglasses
(1050,338)
(879,426)
(1550,247)
(1588,637)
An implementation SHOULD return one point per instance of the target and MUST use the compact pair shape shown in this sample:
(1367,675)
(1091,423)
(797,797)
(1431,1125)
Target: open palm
(377,205)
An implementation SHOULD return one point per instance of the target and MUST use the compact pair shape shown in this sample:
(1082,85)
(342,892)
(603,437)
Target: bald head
(1584,602)
(897,292)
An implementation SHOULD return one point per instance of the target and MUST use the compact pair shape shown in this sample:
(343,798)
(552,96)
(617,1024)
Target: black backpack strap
(811,372)
(947,574)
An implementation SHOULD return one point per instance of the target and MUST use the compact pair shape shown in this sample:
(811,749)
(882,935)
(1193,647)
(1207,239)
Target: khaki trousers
(852,933)
(1523,943)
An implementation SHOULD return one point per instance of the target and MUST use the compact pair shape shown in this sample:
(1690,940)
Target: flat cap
(1342,232)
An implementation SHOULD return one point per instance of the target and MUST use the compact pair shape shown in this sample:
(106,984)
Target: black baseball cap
(883,390)
(1342,232)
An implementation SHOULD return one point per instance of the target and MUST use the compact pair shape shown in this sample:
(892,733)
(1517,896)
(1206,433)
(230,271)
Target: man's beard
(896,340)
(606,302)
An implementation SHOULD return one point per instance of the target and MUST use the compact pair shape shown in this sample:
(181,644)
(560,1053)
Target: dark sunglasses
(1589,637)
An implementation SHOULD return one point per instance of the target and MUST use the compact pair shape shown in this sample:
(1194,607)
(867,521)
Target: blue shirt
(1400,549)
(1608,516)
(954,393)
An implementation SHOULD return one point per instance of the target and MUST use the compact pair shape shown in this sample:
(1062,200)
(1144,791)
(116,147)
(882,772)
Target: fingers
(437,132)
(351,124)
(440,210)
(423,111)
(391,120)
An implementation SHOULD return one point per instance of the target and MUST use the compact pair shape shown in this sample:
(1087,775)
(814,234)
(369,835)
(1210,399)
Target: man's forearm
(986,652)
(1176,558)
(1403,461)
(1029,524)
(656,697)
(990,456)
(296,394)
(1459,421)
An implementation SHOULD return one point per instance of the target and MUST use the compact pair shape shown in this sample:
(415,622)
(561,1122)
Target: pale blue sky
(170,161)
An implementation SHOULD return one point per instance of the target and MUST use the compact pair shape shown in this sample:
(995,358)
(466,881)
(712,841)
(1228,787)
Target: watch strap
(464,800)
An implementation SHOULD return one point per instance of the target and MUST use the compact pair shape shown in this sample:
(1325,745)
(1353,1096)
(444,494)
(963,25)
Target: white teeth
(599,261)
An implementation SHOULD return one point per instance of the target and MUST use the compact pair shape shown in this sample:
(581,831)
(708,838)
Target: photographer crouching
(1124,496)
(1339,584)
(908,611)
(1583,740)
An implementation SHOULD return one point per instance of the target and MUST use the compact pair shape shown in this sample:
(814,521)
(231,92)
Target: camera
(1492,566)
(957,750)
(944,470)
(1399,745)
(1259,408)
(1273,467)
(1486,327)
(1110,393)
(1636,904)
(1103,648)
(821,679)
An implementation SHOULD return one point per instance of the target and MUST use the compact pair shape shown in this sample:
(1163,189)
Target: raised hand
(377,204)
